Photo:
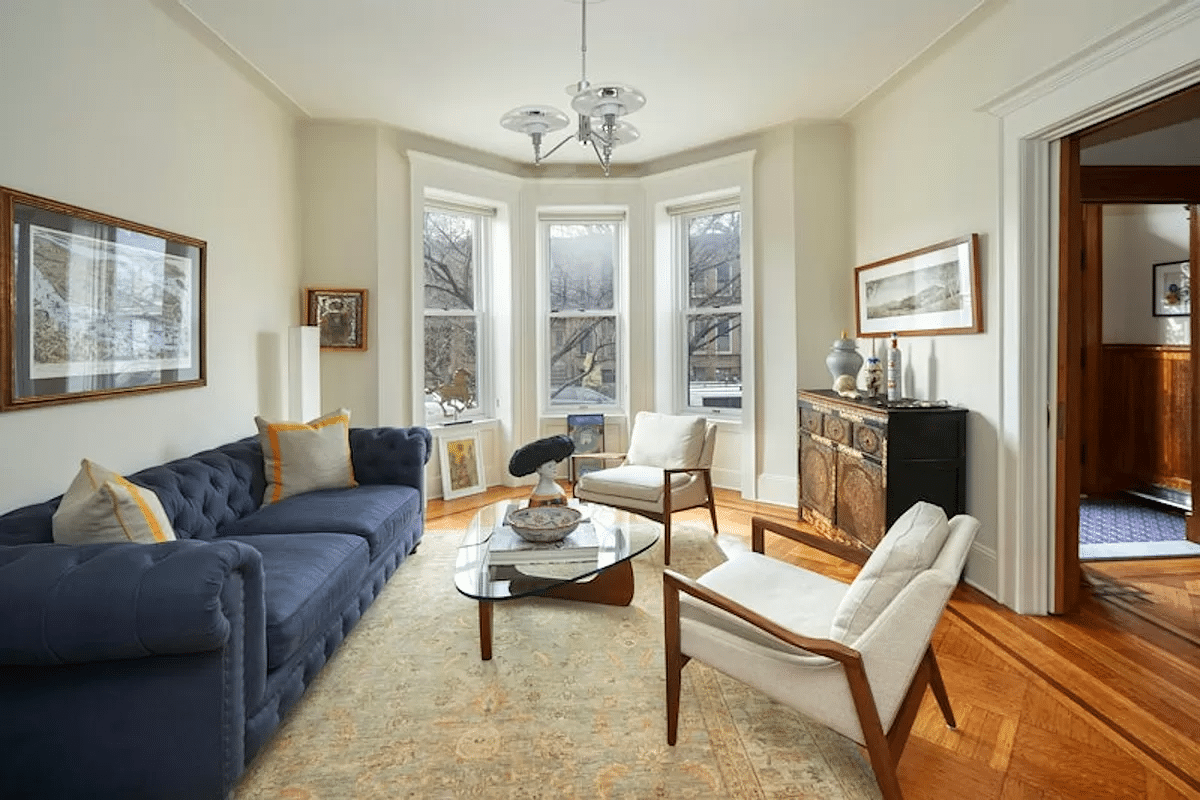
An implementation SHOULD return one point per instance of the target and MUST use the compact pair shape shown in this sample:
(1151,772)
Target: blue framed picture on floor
(587,432)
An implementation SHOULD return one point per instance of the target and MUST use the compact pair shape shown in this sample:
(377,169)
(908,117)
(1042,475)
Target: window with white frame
(455,244)
(581,290)
(708,256)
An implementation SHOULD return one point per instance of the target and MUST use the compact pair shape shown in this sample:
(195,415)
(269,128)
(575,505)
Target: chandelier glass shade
(599,109)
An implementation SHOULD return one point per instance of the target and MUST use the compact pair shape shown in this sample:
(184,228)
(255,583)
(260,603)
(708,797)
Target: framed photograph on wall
(1172,289)
(92,306)
(587,432)
(462,470)
(341,314)
(928,291)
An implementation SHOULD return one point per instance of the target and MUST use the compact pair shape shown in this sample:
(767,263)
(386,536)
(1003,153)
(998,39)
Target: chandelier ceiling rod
(598,111)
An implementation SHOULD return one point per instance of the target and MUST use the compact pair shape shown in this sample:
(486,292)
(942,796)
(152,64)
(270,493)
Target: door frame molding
(1142,62)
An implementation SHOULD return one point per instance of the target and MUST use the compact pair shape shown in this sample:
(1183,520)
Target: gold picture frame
(341,315)
(93,306)
(934,290)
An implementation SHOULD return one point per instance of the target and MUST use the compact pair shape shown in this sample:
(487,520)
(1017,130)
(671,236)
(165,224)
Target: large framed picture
(462,470)
(587,432)
(341,314)
(92,306)
(1172,289)
(928,291)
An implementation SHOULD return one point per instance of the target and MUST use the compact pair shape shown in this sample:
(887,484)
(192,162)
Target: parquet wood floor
(1162,590)
(1101,704)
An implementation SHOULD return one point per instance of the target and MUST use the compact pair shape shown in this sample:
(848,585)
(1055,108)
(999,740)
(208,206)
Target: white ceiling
(710,69)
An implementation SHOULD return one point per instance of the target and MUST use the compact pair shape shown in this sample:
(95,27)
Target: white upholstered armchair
(856,658)
(667,468)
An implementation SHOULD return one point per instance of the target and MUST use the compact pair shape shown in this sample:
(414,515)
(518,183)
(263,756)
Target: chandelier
(599,109)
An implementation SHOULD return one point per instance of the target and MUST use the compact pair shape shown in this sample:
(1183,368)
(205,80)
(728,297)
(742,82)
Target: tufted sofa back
(202,492)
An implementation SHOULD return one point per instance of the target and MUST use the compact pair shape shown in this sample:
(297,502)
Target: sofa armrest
(391,455)
(68,604)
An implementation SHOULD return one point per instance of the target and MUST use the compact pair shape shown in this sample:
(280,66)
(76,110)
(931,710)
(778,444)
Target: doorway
(1128,231)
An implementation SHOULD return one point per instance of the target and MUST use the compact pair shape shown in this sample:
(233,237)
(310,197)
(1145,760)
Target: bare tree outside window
(583,367)
(452,242)
(714,312)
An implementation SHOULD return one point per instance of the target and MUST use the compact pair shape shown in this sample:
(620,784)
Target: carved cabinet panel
(864,464)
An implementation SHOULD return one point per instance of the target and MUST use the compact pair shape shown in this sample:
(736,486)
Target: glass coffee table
(606,579)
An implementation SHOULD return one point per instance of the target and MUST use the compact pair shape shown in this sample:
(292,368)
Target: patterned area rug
(1109,520)
(570,706)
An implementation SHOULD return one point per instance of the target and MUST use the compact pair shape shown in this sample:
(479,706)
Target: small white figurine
(846,387)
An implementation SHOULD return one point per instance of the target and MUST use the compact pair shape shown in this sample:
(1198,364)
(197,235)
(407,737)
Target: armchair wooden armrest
(758,525)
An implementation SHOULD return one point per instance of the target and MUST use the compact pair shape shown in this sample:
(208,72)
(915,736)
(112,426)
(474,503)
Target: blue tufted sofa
(159,671)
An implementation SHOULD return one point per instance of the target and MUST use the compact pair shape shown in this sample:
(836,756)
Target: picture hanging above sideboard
(934,290)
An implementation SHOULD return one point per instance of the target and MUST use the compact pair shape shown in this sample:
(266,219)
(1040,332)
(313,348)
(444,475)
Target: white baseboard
(982,570)
(778,490)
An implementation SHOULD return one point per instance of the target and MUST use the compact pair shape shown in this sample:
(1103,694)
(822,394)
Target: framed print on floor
(93,306)
(587,432)
(462,470)
(928,291)
(1172,289)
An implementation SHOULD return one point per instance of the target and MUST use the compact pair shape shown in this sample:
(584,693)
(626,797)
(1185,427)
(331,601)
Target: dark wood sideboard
(864,463)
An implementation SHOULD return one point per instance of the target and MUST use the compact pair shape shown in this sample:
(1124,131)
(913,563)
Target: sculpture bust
(542,457)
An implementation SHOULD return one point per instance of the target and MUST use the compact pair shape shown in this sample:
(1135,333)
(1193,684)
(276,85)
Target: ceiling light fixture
(599,109)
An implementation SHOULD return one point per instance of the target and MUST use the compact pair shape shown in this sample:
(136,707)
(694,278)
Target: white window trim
(546,217)
(678,213)
(481,279)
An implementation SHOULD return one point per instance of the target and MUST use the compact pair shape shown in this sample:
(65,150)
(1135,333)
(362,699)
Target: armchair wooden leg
(939,689)
(879,748)
(667,539)
(712,502)
(674,660)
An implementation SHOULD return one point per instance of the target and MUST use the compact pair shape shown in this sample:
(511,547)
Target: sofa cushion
(101,506)
(364,511)
(307,578)
(908,548)
(302,457)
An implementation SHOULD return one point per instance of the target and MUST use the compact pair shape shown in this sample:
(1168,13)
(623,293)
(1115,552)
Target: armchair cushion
(631,481)
(795,598)
(665,441)
(908,548)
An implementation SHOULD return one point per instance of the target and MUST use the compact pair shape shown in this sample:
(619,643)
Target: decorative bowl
(544,523)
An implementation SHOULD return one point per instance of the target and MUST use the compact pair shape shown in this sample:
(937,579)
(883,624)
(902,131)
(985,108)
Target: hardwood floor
(1100,704)
(1165,591)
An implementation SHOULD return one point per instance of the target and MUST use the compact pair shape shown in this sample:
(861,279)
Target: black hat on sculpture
(542,456)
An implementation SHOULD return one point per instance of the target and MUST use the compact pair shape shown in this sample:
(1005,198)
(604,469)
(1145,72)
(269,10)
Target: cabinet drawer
(868,439)
(837,429)
(810,421)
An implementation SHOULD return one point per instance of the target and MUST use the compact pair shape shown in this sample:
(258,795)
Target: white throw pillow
(302,457)
(665,441)
(909,548)
(101,506)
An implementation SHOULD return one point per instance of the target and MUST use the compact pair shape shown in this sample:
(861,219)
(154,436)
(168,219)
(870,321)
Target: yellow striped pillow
(303,457)
(101,506)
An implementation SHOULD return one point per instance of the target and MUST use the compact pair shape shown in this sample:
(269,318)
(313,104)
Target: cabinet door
(817,465)
(861,498)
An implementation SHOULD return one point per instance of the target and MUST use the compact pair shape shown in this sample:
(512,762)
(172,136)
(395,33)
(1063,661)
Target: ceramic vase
(844,359)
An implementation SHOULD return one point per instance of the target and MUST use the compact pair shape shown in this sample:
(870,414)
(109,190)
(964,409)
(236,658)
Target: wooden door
(1193,521)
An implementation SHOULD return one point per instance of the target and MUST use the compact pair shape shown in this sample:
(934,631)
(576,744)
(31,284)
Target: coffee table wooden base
(613,587)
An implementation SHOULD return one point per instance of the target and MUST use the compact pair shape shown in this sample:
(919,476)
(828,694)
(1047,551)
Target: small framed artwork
(462,470)
(341,314)
(92,306)
(587,432)
(929,291)
(1172,289)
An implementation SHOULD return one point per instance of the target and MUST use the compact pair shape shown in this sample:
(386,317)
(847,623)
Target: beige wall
(113,107)
(927,168)
(1135,238)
